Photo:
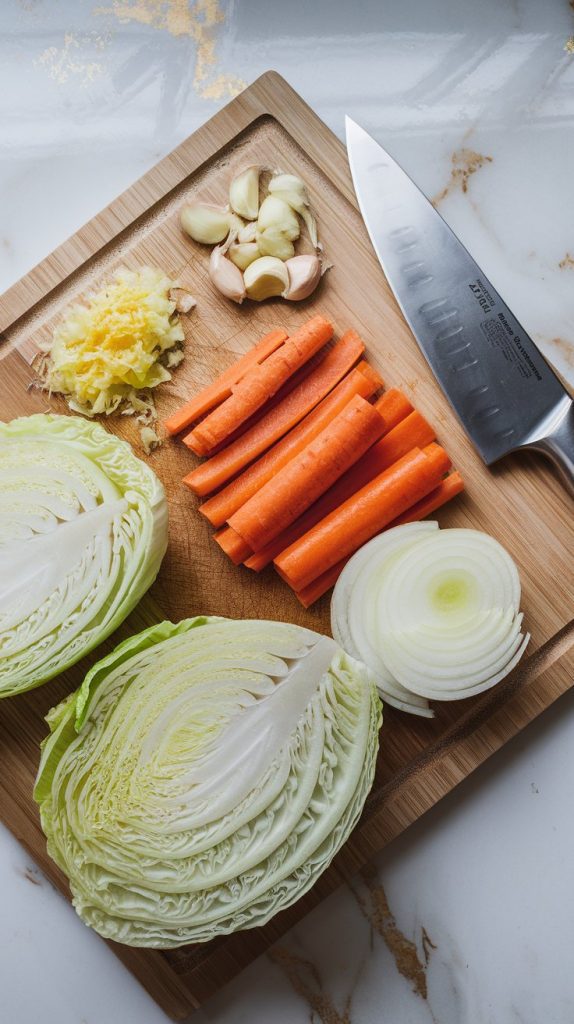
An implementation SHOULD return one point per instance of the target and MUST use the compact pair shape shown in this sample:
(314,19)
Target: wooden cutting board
(520,502)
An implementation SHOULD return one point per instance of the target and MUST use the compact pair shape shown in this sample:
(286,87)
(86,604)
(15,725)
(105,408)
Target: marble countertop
(467,919)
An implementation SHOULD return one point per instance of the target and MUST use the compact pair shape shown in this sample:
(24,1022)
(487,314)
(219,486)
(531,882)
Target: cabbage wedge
(83,530)
(204,775)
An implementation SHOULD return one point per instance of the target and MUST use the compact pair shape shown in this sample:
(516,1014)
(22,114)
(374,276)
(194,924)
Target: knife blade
(499,384)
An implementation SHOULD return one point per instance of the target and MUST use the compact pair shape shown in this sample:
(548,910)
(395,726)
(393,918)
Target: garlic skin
(304,276)
(244,193)
(266,277)
(243,253)
(184,301)
(206,224)
(293,191)
(248,233)
(275,213)
(226,277)
(272,242)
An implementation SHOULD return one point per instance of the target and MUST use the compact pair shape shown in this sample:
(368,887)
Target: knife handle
(558,445)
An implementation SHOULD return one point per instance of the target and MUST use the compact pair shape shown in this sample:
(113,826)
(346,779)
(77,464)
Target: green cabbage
(204,775)
(83,530)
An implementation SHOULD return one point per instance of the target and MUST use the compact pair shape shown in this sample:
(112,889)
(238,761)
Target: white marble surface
(91,95)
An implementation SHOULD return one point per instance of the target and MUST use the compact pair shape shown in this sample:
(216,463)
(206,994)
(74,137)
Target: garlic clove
(243,254)
(266,277)
(272,242)
(204,223)
(226,277)
(275,213)
(293,191)
(304,276)
(244,193)
(248,233)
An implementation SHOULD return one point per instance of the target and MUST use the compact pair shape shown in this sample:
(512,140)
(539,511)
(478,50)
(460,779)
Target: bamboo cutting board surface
(519,502)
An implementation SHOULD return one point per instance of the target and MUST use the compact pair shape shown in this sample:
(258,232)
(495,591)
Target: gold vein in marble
(65,62)
(382,921)
(567,262)
(465,162)
(196,19)
(569,46)
(306,982)
(564,348)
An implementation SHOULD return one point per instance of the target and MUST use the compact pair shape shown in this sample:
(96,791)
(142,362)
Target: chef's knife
(501,387)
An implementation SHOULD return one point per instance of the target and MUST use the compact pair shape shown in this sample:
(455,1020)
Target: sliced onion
(434,614)
(353,623)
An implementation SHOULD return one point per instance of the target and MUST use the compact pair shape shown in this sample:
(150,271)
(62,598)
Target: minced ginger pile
(122,341)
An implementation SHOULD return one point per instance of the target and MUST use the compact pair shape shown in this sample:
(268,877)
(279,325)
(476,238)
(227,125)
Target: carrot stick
(448,488)
(281,418)
(283,498)
(393,407)
(361,381)
(259,384)
(363,515)
(220,389)
(233,545)
(412,432)
(313,591)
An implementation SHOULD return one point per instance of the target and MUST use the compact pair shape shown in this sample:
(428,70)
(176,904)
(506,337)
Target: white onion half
(434,614)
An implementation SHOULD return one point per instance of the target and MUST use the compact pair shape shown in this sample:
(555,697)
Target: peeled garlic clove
(226,277)
(289,184)
(272,242)
(244,193)
(248,232)
(275,213)
(293,191)
(243,254)
(206,224)
(304,276)
(265,277)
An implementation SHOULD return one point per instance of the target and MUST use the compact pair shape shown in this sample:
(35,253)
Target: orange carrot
(283,498)
(412,432)
(393,407)
(233,545)
(281,418)
(363,515)
(313,591)
(361,381)
(448,488)
(259,383)
(220,389)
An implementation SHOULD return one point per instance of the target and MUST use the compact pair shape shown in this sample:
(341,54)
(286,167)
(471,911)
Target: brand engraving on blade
(501,337)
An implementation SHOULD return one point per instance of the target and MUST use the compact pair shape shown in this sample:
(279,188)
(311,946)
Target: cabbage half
(83,530)
(204,775)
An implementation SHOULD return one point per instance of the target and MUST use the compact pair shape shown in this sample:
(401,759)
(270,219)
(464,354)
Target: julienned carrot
(220,389)
(233,545)
(363,380)
(412,432)
(313,591)
(363,515)
(448,488)
(259,384)
(393,407)
(288,494)
(281,418)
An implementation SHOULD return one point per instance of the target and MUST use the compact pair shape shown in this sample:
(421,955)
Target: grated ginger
(120,341)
